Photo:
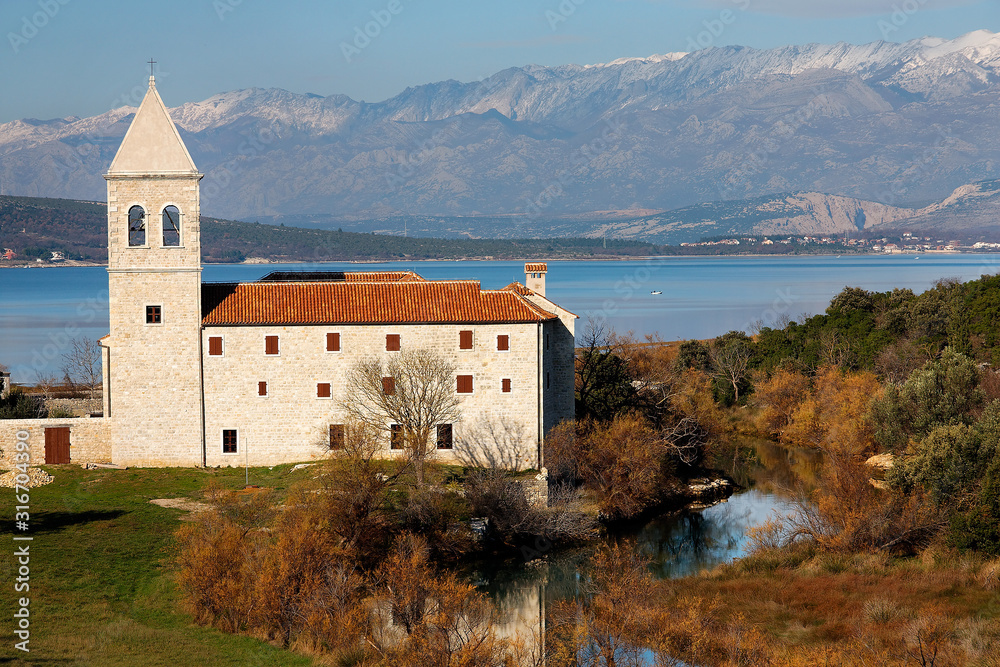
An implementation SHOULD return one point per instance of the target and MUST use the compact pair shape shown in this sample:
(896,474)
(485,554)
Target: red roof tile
(536,268)
(519,289)
(363,303)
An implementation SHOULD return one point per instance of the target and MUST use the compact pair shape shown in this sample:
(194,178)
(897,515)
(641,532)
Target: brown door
(57,445)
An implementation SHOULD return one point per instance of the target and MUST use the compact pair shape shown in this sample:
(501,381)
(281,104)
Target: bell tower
(154,280)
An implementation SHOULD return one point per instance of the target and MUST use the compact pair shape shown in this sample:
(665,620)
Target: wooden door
(57,445)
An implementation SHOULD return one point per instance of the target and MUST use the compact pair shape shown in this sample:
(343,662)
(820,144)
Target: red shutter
(388,386)
(333,342)
(215,346)
(465,340)
(392,342)
(465,384)
(262,389)
(505,385)
(323,390)
(270,345)
(503,343)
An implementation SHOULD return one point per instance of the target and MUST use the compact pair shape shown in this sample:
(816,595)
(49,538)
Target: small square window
(271,345)
(215,346)
(388,386)
(230,440)
(503,343)
(395,436)
(154,315)
(465,384)
(392,342)
(262,388)
(323,390)
(465,340)
(333,342)
(444,440)
(337,436)
(505,385)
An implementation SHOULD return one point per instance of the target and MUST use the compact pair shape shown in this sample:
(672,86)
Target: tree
(83,365)
(413,390)
(731,356)
(604,384)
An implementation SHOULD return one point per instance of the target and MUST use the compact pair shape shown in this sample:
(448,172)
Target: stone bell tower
(153,353)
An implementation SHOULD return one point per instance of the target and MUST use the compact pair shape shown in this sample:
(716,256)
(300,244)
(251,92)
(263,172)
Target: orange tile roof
(536,268)
(519,289)
(348,276)
(363,303)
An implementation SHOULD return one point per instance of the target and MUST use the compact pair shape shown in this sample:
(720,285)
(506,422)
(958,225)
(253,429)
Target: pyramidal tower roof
(152,144)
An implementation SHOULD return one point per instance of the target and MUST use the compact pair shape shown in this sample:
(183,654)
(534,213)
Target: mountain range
(858,134)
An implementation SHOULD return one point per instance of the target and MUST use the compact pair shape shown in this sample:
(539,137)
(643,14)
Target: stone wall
(90,439)
(291,423)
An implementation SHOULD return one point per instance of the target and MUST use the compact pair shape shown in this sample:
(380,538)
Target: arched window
(136,226)
(171,226)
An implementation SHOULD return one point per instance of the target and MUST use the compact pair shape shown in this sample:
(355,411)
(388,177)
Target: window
(392,342)
(323,390)
(444,436)
(465,340)
(503,343)
(215,346)
(171,227)
(262,388)
(271,345)
(230,439)
(388,386)
(548,380)
(395,436)
(136,226)
(465,384)
(337,436)
(505,385)
(333,342)
(154,315)
(546,341)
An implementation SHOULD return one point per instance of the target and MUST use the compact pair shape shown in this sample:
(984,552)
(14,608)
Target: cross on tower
(151,63)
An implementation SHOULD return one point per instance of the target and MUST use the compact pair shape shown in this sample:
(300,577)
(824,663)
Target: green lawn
(102,587)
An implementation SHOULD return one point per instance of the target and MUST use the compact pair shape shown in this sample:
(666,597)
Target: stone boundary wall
(90,439)
(536,489)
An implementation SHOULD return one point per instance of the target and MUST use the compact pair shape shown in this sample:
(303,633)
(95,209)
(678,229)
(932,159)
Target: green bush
(18,405)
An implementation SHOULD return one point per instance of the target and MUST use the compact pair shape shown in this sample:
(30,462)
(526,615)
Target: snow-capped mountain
(898,124)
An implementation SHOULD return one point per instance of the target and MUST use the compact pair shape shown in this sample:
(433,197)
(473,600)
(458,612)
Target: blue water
(41,308)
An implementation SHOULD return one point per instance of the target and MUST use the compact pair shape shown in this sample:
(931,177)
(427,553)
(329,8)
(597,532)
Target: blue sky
(82,57)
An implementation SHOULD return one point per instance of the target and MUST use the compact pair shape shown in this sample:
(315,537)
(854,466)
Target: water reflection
(678,545)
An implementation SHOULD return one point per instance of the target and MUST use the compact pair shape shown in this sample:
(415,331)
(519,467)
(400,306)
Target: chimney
(534,277)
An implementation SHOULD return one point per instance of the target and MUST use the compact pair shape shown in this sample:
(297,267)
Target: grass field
(102,591)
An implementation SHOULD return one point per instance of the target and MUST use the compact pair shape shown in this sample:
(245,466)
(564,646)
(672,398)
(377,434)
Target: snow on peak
(655,58)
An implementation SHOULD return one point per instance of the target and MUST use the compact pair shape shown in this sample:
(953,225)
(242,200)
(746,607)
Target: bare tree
(83,365)
(731,362)
(413,391)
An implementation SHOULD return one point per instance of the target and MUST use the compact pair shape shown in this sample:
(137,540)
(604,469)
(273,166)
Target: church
(227,374)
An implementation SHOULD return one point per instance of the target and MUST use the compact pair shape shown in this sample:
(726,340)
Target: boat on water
(656,291)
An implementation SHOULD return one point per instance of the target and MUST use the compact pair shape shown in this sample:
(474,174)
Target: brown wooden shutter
(262,388)
(388,386)
(395,436)
(465,340)
(323,390)
(465,384)
(503,343)
(392,342)
(505,385)
(337,436)
(270,345)
(215,346)
(333,342)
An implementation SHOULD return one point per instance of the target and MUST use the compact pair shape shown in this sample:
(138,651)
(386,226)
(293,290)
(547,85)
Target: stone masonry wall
(291,423)
(90,439)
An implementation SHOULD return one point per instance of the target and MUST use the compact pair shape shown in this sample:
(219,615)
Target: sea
(674,298)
